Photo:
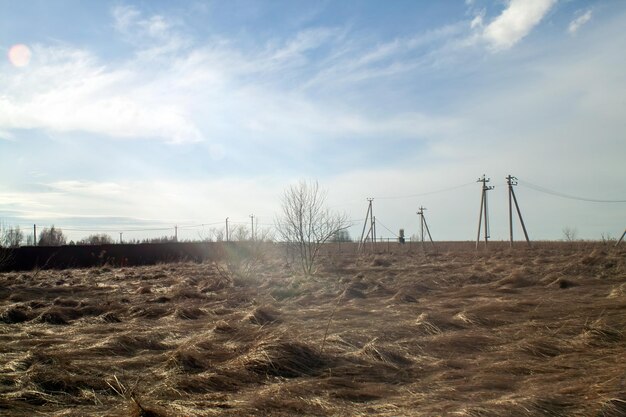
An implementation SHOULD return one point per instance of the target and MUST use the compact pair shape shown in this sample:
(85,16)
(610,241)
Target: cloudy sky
(127,115)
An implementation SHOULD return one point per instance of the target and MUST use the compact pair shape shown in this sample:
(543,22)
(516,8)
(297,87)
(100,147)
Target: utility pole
(175,233)
(420,213)
(121,238)
(227,238)
(34,235)
(252,227)
(511,182)
(483,210)
(371,232)
(424,225)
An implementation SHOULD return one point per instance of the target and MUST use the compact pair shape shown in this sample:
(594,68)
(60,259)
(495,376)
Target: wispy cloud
(67,89)
(159,200)
(6,135)
(176,91)
(579,22)
(124,17)
(515,22)
(154,35)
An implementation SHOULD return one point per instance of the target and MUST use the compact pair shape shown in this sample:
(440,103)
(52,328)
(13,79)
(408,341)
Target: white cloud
(6,135)
(69,90)
(155,35)
(477,21)
(355,62)
(214,91)
(89,188)
(191,201)
(515,22)
(124,17)
(579,22)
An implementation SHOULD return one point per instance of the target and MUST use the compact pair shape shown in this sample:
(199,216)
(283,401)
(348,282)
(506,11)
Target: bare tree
(240,233)
(570,233)
(306,223)
(97,239)
(12,237)
(51,237)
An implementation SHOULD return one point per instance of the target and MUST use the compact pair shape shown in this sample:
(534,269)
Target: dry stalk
(332,314)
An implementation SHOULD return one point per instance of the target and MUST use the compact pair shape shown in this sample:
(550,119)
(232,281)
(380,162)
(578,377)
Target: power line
(71,229)
(158,226)
(562,195)
(389,230)
(426,193)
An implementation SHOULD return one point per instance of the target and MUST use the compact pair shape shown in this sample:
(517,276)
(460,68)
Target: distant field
(538,332)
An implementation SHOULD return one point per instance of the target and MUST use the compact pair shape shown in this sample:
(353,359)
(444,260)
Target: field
(538,332)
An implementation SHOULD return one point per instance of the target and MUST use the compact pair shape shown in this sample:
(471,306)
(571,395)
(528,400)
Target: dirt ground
(539,332)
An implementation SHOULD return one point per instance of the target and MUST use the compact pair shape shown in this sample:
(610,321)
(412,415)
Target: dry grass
(538,332)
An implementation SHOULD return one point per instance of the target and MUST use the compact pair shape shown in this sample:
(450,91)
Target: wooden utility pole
(424,226)
(512,181)
(371,232)
(252,227)
(227,229)
(483,210)
(34,235)
(175,233)
(121,238)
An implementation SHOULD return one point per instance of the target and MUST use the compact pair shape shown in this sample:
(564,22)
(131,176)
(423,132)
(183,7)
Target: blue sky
(154,113)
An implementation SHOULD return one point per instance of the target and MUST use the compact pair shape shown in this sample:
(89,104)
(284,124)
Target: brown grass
(401,331)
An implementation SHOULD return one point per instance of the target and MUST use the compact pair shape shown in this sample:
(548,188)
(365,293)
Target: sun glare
(19,55)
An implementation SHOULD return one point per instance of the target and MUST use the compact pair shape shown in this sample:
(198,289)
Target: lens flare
(19,55)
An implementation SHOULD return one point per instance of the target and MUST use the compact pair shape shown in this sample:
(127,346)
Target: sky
(126,116)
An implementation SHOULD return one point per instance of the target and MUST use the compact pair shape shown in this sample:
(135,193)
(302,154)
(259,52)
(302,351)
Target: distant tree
(570,233)
(239,233)
(12,237)
(306,223)
(341,236)
(97,239)
(213,235)
(51,237)
(162,239)
(218,234)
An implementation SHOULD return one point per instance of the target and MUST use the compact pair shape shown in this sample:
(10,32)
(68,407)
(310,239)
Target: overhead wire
(389,230)
(563,195)
(398,197)
(352,222)
(72,229)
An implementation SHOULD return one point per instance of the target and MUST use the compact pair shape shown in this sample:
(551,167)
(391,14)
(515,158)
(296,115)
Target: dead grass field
(536,332)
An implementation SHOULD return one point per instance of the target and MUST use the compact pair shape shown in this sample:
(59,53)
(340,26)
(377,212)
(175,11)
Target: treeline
(14,237)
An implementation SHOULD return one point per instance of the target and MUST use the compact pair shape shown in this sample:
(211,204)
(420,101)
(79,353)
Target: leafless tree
(219,234)
(306,223)
(12,237)
(240,233)
(51,237)
(570,233)
(97,239)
